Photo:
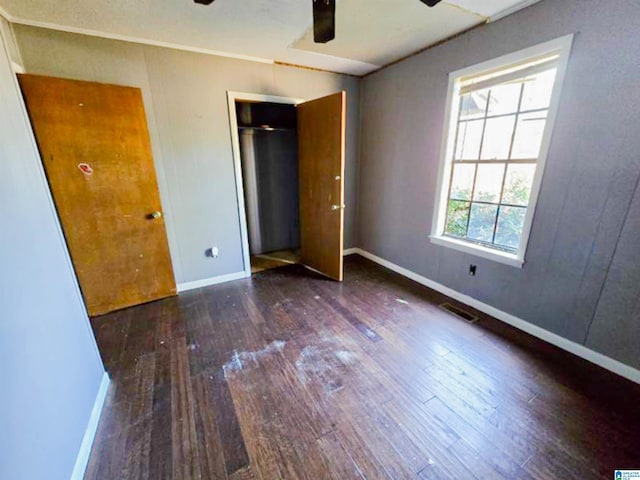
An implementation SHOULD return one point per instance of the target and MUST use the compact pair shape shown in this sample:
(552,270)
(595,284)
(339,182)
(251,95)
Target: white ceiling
(369,33)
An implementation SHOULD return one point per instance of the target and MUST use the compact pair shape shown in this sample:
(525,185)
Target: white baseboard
(183,287)
(206,282)
(87,441)
(577,349)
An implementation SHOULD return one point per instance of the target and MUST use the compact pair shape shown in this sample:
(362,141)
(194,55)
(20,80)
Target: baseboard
(206,282)
(183,287)
(599,359)
(87,441)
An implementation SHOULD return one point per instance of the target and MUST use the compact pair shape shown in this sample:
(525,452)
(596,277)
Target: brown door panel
(321,151)
(95,147)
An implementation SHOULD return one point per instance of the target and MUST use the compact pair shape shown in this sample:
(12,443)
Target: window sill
(478,250)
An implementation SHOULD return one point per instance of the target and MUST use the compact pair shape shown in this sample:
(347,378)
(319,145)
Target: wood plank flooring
(288,375)
(267,261)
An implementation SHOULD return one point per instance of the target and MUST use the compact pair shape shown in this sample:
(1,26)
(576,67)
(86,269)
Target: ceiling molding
(131,39)
(6,15)
(466,10)
(269,61)
(315,69)
(175,46)
(514,9)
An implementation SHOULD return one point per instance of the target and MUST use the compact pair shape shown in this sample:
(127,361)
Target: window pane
(469,136)
(489,182)
(528,138)
(517,184)
(537,92)
(473,105)
(504,99)
(510,223)
(497,138)
(462,181)
(482,221)
(457,216)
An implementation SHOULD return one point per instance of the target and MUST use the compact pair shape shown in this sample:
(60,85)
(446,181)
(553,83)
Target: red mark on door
(85,168)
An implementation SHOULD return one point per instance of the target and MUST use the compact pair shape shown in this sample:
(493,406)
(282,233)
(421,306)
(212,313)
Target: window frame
(560,46)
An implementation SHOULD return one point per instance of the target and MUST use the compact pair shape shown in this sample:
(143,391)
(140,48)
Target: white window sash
(557,50)
(483,82)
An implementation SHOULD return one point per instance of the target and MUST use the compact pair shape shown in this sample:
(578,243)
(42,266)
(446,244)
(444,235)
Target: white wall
(50,369)
(186,102)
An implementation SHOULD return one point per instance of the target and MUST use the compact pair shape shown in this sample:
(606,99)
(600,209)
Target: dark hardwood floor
(288,375)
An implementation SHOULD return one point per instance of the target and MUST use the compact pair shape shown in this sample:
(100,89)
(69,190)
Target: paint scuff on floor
(240,359)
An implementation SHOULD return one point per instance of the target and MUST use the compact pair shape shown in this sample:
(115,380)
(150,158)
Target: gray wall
(590,178)
(186,102)
(615,330)
(50,369)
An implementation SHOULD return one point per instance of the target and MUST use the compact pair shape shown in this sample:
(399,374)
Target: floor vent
(458,312)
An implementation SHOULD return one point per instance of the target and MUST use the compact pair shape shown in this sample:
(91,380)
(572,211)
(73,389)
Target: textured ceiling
(369,33)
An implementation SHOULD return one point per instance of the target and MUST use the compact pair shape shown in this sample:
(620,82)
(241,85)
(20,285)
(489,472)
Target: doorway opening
(268,140)
(289,165)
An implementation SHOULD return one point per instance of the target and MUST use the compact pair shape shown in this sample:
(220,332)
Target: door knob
(155,215)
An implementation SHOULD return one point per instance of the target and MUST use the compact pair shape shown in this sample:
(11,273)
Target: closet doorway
(269,158)
(289,159)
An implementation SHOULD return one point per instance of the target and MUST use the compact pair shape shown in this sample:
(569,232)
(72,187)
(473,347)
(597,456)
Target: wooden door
(95,147)
(321,146)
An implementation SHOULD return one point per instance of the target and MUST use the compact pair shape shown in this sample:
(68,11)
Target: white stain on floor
(240,360)
(345,356)
(324,366)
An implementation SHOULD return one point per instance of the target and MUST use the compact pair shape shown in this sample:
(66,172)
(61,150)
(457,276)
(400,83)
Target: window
(500,116)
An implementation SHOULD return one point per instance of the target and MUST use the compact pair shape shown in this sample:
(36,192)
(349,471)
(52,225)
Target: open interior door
(96,151)
(321,150)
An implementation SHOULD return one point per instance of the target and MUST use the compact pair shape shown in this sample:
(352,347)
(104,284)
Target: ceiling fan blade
(204,2)
(324,20)
(431,3)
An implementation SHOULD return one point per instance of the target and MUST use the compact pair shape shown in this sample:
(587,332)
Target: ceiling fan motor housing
(324,20)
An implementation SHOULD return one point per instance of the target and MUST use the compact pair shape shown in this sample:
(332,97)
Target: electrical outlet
(472,270)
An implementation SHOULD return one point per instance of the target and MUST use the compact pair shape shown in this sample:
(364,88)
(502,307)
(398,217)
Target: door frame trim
(237,162)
